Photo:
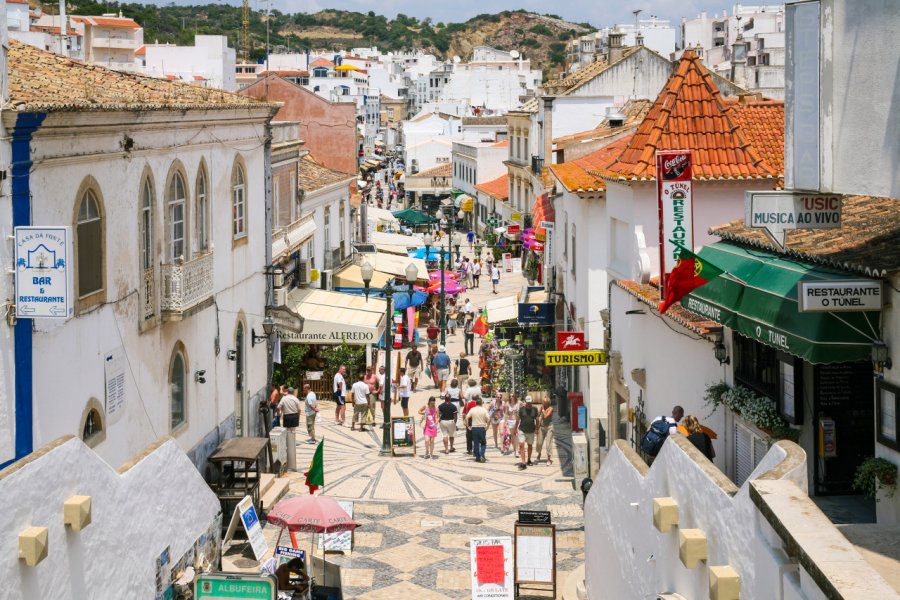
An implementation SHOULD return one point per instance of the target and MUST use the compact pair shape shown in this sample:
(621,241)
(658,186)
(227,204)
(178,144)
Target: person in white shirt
(476,272)
(312,411)
(289,407)
(383,394)
(469,308)
(473,390)
(360,392)
(340,396)
(404,386)
(495,277)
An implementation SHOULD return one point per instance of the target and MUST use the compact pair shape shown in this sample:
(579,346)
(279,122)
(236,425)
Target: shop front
(800,338)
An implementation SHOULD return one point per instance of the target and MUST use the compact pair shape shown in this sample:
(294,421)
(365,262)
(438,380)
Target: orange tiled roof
(17,1)
(689,113)
(41,81)
(496,188)
(52,29)
(762,122)
(106,21)
(441,170)
(285,73)
(648,293)
(502,144)
(321,62)
(142,51)
(579,175)
(314,176)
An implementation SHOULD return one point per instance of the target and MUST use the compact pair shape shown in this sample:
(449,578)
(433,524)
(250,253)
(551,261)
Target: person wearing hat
(289,407)
(528,415)
(441,361)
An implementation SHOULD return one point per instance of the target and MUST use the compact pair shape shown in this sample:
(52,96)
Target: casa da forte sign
(778,212)
(43,272)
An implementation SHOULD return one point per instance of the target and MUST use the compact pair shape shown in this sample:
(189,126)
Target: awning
(395,265)
(330,317)
(396,240)
(503,309)
(542,211)
(414,217)
(351,277)
(380,214)
(757,297)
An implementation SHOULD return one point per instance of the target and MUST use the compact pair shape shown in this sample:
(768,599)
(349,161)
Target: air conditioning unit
(279,297)
(304,272)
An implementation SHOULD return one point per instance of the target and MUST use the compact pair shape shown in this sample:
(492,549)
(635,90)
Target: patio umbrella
(436,276)
(450,287)
(401,297)
(433,254)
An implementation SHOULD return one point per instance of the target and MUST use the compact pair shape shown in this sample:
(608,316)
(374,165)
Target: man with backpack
(660,428)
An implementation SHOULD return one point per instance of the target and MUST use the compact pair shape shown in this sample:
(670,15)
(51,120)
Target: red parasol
(436,275)
(450,287)
(315,514)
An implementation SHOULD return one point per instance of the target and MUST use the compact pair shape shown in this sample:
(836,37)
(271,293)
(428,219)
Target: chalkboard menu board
(403,433)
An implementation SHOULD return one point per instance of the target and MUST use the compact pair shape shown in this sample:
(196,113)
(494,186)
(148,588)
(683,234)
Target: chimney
(615,45)
(639,38)
(63,27)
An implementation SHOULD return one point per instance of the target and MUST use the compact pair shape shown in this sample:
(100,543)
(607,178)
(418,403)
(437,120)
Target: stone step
(277,489)
(265,482)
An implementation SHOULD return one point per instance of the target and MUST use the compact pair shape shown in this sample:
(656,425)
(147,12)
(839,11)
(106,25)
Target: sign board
(341,541)
(777,212)
(285,554)
(541,313)
(467,205)
(492,568)
(507,262)
(534,517)
(839,296)
(513,230)
(43,273)
(535,554)
(403,433)
(114,365)
(550,229)
(233,586)
(245,514)
(574,358)
(517,265)
(516,217)
(570,340)
(676,211)
(327,332)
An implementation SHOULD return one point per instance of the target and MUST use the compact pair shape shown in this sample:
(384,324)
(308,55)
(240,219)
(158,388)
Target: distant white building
(209,62)
(109,40)
(654,33)
(493,80)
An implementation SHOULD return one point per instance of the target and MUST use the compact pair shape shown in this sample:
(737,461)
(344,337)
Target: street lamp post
(368,271)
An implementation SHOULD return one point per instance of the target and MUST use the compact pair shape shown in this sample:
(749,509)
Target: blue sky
(596,12)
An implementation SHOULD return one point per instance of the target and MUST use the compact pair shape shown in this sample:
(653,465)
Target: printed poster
(491,568)
(114,365)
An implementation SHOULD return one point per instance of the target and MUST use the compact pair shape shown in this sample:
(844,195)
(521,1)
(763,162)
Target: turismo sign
(43,273)
(575,358)
(777,212)
(839,296)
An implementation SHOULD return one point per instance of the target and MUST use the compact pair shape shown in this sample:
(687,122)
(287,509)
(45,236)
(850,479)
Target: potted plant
(531,269)
(873,474)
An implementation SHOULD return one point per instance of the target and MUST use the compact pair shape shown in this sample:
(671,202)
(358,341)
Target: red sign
(676,212)
(489,565)
(513,229)
(570,340)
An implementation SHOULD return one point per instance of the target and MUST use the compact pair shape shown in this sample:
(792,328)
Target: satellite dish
(514,53)
(457,60)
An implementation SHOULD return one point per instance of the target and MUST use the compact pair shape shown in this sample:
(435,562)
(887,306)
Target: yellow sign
(575,358)
(314,275)
(468,205)
(515,217)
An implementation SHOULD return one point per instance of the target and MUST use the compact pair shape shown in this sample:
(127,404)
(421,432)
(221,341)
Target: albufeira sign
(43,272)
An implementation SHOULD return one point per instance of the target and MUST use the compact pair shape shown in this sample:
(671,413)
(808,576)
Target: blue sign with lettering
(541,313)
(43,272)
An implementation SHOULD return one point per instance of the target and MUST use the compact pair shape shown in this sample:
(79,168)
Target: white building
(209,62)
(166,195)
(493,80)
(654,33)
(109,40)
(326,196)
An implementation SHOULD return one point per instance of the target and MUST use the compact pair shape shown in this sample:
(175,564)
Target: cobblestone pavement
(417,515)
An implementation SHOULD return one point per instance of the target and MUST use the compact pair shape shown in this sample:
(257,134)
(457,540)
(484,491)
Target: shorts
(414,372)
(291,420)
(339,399)
(448,428)
(526,438)
(404,402)
(444,374)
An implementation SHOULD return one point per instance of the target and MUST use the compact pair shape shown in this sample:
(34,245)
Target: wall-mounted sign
(513,230)
(516,217)
(574,358)
(570,340)
(539,313)
(550,232)
(676,209)
(43,272)
(777,212)
(230,586)
(326,332)
(839,296)
(534,517)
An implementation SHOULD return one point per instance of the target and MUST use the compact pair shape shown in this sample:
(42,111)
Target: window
(147,226)
(327,230)
(887,424)
(756,366)
(238,203)
(177,390)
(176,197)
(202,211)
(93,430)
(341,224)
(89,239)
(574,254)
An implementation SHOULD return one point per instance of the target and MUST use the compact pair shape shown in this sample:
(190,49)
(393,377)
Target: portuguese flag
(481,324)
(690,272)
(315,477)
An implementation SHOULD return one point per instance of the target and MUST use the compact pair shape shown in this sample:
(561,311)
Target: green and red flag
(481,324)
(690,272)
(315,476)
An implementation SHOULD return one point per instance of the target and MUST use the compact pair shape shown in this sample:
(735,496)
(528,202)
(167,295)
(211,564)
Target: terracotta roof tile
(867,242)
(321,62)
(285,73)
(648,293)
(41,81)
(496,188)
(441,170)
(689,113)
(314,176)
(579,175)
(142,51)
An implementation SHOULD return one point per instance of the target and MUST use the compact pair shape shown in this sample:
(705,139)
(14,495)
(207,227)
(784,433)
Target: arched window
(177,390)
(147,225)
(176,217)
(93,427)
(89,239)
(238,202)
(202,210)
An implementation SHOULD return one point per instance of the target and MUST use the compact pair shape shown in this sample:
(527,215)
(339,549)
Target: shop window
(177,391)
(887,397)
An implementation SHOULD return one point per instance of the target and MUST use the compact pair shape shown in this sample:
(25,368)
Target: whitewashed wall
(888,508)
(161,501)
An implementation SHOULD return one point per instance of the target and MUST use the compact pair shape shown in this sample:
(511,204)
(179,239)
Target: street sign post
(44,273)
(235,586)
(575,358)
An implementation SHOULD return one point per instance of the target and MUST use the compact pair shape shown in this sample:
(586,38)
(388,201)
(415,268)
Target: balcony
(185,285)
(114,43)
(286,239)
(537,165)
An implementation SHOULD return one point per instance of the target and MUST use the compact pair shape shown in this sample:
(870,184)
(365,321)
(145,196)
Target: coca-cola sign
(675,166)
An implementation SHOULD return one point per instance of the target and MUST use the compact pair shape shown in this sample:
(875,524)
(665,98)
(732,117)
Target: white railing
(109,42)
(186,284)
(149,305)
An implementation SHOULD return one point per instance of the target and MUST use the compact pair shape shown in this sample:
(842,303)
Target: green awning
(414,217)
(757,297)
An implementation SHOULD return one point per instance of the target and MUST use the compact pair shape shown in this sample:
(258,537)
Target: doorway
(239,366)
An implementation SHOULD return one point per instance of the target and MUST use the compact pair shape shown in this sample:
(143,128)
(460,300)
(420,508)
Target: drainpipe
(26,125)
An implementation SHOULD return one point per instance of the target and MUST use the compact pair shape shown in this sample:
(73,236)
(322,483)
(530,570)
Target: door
(239,377)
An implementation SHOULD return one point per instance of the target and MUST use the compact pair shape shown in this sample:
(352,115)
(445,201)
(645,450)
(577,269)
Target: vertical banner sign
(507,262)
(548,242)
(676,211)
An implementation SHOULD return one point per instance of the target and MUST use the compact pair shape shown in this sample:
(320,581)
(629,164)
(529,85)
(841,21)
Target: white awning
(503,309)
(374,213)
(396,265)
(330,317)
(351,277)
(396,243)
(292,237)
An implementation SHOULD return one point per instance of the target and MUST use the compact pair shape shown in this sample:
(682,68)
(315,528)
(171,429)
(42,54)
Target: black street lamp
(368,271)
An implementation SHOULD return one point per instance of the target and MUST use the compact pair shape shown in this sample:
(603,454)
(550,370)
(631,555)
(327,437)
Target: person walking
(528,416)
(512,421)
(455,394)
(699,438)
(274,399)
(495,411)
(545,431)
(448,412)
(404,387)
(371,380)
(470,404)
(476,272)
(383,393)
(469,335)
(477,420)
(429,426)
(413,364)
(339,388)
(462,367)
(442,361)
(360,393)
(312,411)
(470,237)
(452,318)
(470,273)
(495,277)
(431,333)
(289,409)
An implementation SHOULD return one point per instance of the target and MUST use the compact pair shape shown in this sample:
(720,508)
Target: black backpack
(653,438)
